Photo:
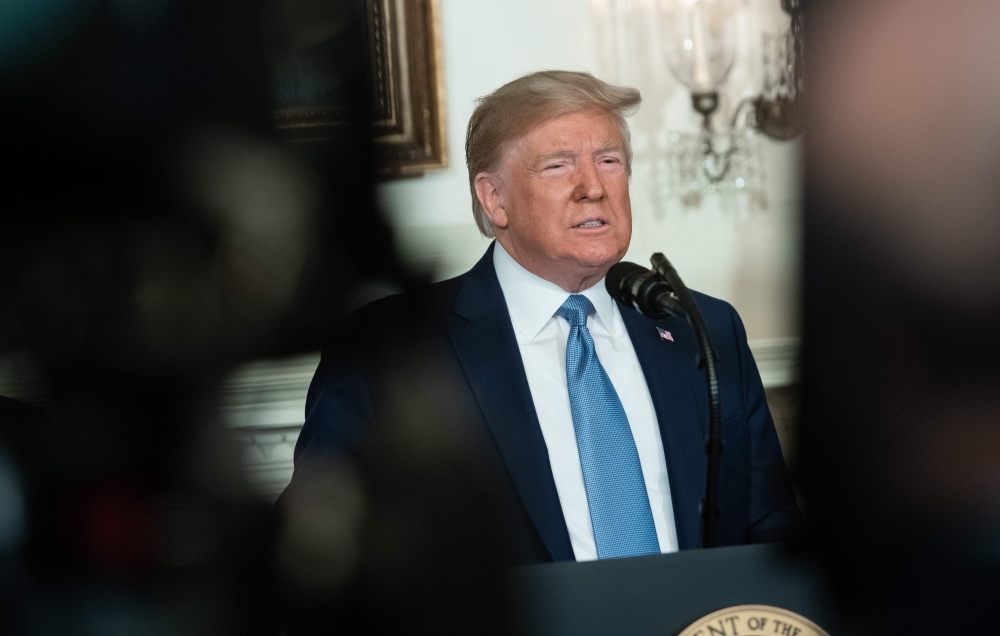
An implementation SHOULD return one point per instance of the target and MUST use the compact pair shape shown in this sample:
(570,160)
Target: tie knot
(575,310)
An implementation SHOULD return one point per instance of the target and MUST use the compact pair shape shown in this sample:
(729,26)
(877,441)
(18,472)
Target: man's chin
(599,259)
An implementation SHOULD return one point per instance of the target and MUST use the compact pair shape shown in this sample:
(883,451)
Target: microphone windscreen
(616,275)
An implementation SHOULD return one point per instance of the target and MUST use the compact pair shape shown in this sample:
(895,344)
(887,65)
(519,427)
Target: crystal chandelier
(699,43)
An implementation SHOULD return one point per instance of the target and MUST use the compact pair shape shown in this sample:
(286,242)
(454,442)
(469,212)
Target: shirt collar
(532,301)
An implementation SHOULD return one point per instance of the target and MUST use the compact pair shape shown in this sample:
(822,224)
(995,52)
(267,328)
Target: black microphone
(644,290)
(659,293)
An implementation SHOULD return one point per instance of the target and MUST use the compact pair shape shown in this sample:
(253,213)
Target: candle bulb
(699,42)
(702,75)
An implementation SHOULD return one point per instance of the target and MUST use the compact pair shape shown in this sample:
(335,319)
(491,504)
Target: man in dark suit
(591,417)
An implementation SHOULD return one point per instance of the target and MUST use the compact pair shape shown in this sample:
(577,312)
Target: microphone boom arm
(681,298)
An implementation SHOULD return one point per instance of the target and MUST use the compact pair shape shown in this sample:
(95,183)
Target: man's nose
(590,186)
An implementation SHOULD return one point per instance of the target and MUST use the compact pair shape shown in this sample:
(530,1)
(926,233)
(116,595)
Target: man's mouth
(594,223)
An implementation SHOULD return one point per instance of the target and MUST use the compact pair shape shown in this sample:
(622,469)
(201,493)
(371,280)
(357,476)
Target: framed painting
(401,45)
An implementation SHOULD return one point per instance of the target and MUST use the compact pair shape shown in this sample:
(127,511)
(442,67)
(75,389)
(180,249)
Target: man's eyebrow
(559,154)
(569,154)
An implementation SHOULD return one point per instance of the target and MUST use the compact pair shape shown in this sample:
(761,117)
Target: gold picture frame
(407,83)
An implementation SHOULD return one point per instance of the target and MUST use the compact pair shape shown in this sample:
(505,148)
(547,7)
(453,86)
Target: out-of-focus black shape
(408,515)
(114,278)
(120,129)
(154,232)
(907,561)
(19,484)
(901,355)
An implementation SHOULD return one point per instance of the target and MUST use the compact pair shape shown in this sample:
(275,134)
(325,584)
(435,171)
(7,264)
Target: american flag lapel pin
(664,334)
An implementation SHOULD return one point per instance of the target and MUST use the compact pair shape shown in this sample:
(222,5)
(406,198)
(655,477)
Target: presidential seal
(753,620)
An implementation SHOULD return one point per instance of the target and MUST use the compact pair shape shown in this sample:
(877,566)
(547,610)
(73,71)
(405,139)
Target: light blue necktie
(616,492)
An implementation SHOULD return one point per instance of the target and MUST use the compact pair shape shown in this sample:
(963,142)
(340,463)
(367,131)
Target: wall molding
(268,394)
(271,394)
(264,405)
(777,361)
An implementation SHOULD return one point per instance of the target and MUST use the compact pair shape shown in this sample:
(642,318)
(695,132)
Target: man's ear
(488,191)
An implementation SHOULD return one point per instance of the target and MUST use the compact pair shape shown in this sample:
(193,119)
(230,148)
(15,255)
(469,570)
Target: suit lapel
(487,349)
(669,368)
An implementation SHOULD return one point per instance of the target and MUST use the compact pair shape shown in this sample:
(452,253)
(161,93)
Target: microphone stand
(707,361)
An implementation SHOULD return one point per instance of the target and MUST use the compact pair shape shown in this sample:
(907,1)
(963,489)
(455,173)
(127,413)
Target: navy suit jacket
(468,336)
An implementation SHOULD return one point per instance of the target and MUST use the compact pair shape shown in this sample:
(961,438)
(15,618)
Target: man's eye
(609,160)
(554,165)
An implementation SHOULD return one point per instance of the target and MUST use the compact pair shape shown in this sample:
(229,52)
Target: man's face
(565,213)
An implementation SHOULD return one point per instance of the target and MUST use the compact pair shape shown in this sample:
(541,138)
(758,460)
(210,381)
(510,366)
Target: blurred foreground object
(900,437)
(402,530)
(154,233)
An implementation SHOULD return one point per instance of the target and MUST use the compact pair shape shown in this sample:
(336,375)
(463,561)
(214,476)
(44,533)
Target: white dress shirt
(541,337)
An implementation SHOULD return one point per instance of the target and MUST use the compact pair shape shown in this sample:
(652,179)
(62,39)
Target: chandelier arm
(711,158)
(747,101)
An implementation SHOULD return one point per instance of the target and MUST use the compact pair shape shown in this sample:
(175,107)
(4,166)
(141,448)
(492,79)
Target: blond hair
(512,110)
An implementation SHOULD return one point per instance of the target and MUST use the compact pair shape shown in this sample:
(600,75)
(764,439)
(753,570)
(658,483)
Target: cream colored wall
(726,247)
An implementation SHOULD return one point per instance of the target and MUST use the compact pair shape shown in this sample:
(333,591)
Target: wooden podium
(661,595)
